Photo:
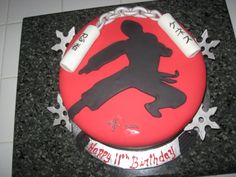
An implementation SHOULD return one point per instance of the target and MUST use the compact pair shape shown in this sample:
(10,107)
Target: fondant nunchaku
(79,49)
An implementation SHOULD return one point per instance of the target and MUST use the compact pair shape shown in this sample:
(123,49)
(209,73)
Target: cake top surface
(134,87)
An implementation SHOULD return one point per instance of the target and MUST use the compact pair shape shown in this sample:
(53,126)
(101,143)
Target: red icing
(133,126)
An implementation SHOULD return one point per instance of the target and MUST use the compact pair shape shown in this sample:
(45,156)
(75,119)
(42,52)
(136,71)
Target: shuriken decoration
(207,46)
(64,40)
(62,113)
(201,120)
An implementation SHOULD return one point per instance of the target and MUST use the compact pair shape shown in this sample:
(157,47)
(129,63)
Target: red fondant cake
(134,87)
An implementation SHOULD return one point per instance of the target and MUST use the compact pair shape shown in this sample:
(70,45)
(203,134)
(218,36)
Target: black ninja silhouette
(143,51)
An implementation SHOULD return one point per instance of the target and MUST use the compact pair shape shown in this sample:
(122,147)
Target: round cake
(134,88)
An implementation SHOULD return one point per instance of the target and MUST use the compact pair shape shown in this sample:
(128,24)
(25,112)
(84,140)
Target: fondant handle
(79,49)
(181,38)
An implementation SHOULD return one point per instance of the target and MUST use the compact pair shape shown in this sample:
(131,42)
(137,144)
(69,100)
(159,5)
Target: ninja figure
(143,51)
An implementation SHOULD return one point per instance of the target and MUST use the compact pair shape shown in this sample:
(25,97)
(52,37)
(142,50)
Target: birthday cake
(133,79)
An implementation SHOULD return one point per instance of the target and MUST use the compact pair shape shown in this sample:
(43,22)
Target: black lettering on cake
(81,40)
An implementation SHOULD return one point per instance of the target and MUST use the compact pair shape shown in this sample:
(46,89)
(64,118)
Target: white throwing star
(62,113)
(64,40)
(201,120)
(207,46)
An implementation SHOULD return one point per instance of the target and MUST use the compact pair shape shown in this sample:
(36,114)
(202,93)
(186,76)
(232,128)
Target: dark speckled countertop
(43,150)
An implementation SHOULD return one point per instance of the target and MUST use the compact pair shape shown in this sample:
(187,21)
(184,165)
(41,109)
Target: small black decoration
(143,51)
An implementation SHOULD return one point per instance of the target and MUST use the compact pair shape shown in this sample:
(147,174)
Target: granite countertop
(43,150)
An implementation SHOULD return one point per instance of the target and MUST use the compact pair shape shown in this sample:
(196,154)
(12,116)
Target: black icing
(186,140)
(143,51)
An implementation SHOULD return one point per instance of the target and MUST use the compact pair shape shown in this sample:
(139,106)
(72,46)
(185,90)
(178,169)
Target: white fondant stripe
(134,159)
